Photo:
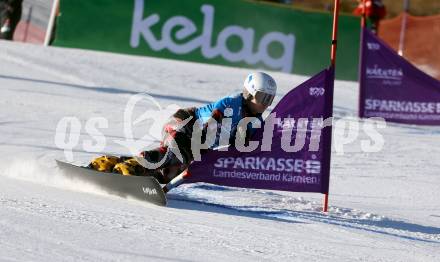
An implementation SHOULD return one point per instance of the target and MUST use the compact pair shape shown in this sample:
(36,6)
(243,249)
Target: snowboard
(139,187)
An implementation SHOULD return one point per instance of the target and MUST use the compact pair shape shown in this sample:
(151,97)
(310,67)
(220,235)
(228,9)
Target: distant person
(374,10)
(10,14)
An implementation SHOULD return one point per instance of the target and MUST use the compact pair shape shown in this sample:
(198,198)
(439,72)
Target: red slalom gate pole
(364,14)
(360,66)
(335,32)
(333,64)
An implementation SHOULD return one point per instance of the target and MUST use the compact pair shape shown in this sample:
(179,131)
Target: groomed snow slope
(384,206)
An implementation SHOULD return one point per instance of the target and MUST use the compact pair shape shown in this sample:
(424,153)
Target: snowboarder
(175,152)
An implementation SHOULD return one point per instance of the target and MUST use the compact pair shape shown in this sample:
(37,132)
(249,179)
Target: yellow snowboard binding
(104,163)
(129,167)
(126,166)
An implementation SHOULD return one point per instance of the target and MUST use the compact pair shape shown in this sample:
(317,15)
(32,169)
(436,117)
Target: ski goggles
(263,98)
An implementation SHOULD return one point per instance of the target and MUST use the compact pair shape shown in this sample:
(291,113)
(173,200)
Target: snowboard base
(143,188)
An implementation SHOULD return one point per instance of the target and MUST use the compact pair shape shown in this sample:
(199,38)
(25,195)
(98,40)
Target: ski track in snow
(383,205)
(281,208)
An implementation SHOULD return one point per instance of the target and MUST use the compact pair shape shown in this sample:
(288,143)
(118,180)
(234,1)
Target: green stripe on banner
(225,32)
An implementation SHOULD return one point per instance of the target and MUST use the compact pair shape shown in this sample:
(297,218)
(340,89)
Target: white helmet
(260,86)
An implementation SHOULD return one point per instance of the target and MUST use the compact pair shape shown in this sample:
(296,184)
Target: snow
(384,206)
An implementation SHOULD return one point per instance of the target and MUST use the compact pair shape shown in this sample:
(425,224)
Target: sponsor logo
(270,164)
(376,72)
(402,106)
(183,29)
(149,191)
(316,91)
(388,76)
(373,46)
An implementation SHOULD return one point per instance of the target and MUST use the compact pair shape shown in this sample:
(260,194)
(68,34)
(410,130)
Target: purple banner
(394,89)
(297,158)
